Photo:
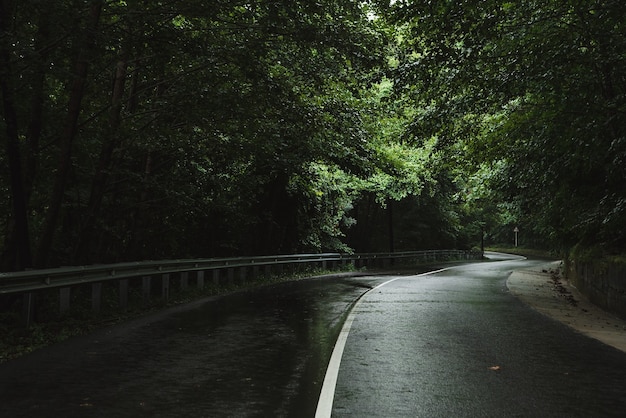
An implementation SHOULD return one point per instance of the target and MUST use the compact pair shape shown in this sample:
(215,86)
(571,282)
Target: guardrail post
(124,294)
(200,279)
(64,299)
(96,297)
(249,268)
(184,280)
(146,287)
(165,286)
(28,308)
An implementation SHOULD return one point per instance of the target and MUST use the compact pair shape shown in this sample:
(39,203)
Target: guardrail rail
(231,270)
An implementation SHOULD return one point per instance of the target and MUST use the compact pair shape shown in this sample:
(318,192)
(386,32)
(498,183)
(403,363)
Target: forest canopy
(138,130)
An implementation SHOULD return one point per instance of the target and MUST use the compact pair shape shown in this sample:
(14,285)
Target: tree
(18,237)
(536,88)
(173,129)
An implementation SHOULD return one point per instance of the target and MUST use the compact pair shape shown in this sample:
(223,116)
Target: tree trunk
(99,183)
(37,100)
(20,236)
(86,42)
(136,219)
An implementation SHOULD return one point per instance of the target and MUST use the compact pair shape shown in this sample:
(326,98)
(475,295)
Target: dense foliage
(169,129)
(149,129)
(534,96)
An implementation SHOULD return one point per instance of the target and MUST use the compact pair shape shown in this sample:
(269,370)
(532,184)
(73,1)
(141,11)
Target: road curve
(457,343)
(325,402)
(451,343)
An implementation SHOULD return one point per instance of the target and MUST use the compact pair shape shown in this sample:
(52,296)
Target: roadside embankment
(545,290)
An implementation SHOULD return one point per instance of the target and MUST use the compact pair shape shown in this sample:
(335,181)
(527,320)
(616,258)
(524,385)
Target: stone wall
(602,281)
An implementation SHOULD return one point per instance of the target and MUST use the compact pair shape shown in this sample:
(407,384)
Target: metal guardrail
(421,255)
(64,279)
(33,280)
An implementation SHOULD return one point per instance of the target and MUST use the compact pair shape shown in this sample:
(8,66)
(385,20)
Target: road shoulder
(553,296)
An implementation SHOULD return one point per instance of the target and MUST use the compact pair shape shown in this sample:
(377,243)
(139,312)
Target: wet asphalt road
(420,346)
(259,353)
(457,344)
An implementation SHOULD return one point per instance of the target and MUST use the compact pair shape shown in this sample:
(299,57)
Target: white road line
(325,402)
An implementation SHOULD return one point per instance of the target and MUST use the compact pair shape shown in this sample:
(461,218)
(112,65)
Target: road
(456,343)
(451,343)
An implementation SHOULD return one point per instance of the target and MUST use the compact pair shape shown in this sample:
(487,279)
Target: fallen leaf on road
(495,368)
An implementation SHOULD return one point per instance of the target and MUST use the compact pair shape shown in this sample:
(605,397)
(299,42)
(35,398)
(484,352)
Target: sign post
(516,230)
